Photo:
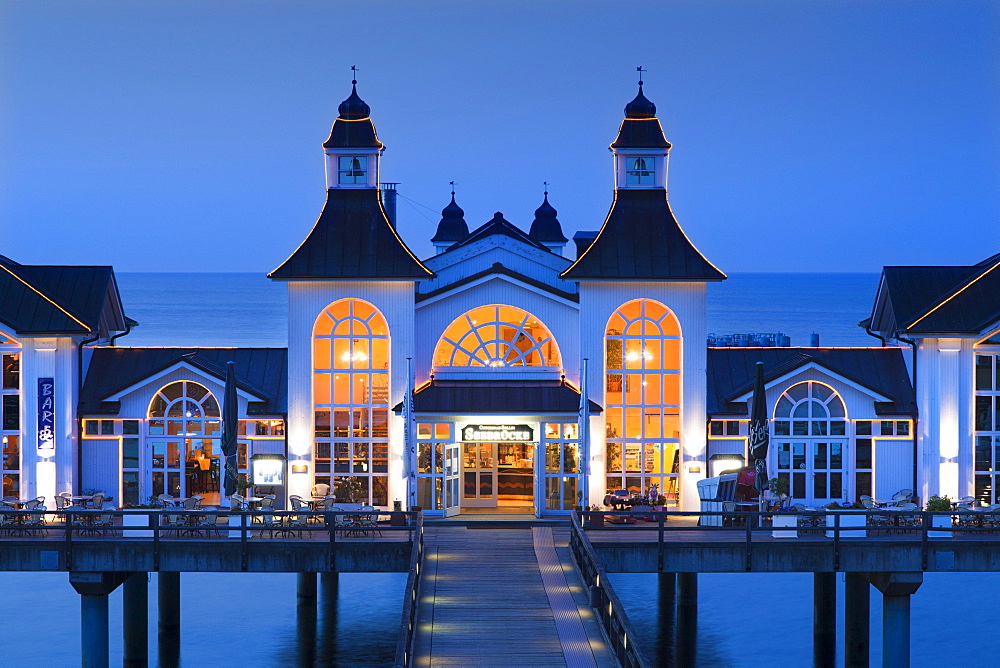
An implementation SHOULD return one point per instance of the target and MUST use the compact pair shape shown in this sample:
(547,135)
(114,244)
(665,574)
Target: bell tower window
(353,169)
(640,171)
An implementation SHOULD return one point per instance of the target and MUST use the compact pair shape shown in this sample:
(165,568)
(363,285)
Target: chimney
(583,241)
(814,340)
(388,192)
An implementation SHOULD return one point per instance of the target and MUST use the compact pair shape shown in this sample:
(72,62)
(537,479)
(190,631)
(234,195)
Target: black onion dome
(353,127)
(354,108)
(452,226)
(640,107)
(545,226)
(641,128)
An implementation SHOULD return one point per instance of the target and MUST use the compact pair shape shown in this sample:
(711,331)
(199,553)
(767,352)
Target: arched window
(184,433)
(351,401)
(642,399)
(498,337)
(810,446)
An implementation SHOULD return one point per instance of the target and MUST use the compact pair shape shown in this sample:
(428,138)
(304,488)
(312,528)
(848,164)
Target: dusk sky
(826,136)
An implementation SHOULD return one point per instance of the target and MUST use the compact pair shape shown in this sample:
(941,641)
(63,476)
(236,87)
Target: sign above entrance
(499,433)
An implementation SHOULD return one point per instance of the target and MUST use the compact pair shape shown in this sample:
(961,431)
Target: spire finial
(640,71)
(546,184)
(354,75)
(452,184)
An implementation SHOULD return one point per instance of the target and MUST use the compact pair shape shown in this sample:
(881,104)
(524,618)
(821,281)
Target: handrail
(411,599)
(610,611)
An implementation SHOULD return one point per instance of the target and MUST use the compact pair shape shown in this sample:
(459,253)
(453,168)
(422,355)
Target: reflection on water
(227,619)
(755,619)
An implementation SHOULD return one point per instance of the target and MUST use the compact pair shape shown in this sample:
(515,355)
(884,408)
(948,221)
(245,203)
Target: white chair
(97,503)
(320,489)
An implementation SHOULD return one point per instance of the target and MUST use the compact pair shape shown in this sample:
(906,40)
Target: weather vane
(452,183)
(354,75)
(546,184)
(638,69)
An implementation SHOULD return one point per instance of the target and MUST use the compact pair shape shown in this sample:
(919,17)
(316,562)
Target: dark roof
(526,397)
(452,226)
(640,129)
(498,269)
(641,240)
(945,299)
(883,370)
(545,226)
(494,226)
(353,239)
(260,371)
(353,127)
(54,299)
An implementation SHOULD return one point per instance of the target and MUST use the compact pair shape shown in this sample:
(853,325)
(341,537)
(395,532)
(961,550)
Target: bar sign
(46,414)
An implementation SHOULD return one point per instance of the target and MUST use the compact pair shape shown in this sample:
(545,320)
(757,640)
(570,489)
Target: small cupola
(545,228)
(353,149)
(452,227)
(641,151)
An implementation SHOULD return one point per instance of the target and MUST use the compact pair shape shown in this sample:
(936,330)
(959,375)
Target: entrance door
(452,472)
(183,467)
(498,475)
(479,475)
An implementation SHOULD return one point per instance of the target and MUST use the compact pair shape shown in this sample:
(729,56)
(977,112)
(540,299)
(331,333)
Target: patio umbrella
(230,425)
(759,430)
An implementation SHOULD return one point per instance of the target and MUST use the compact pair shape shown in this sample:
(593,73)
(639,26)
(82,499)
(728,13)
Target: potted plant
(790,522)
(939,504)
(847,516)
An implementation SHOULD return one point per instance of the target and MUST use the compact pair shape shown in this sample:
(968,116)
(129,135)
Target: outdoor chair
(267,501)
(270,523)
(61,502)
(104,523)
(34,503)
(237,502)
(369,521)
(971,500)
(97,503)
(298,503)
(190,504)
(320,489)
(166,500)
(6,519)
(197,499)
(210,523)
(173,522)
(296,523)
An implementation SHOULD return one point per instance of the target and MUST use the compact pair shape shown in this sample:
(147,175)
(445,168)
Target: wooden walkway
(504,597)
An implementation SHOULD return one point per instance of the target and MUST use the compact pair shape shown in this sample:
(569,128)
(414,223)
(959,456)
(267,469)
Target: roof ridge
(45,296)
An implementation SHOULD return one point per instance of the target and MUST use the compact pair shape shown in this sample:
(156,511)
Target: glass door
(479,475)
(452,499)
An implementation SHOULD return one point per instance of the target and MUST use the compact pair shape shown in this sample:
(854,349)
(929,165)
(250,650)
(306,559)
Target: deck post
(135,621)
(857,620)
(824,619)
(685,645)
(94,630)
(93,588)
(305,618)
(168,586)
(667,593)
(896,590)
(329,585)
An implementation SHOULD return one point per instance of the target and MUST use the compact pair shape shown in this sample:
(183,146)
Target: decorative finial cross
(640,71)
(546,184)
(354,74)
(452,183)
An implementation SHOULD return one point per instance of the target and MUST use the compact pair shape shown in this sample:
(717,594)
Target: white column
(948,396)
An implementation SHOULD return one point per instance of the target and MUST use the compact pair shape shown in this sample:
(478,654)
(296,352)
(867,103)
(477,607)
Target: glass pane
(984,372)
(902,428)
(570,458)
(341,457)
(863,484)
(984,489)
(798,455)
(552,458)
(782,428)
(423,459)
(836,455)
(11,372)
(983,413)
(569,499)
(485,485)
(613,459)
(863,453)
(819,455)
(424,492)
(863,428)
(130,453)
(800,428)
(819,486)
(838,428)
(380,457)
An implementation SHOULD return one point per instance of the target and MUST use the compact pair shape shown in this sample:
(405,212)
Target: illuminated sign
(46,414)
(267,470)
(497,432)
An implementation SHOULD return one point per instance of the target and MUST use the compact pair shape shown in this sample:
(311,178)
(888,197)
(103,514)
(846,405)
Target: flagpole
(583,433)
(409,444)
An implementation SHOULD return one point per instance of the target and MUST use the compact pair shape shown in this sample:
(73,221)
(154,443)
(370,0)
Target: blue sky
(808,136)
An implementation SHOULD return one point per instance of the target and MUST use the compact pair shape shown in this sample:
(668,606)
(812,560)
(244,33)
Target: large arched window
(499,337)
(351,401)
(184,433)
(642,399)
(810,442)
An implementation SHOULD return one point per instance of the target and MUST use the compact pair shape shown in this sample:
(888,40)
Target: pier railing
(930,529)
(57,537)
(411,599)
(621,636)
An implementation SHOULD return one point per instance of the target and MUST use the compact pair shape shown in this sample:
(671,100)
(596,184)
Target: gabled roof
(525,397)
(54,299)
(497,269)
(882,370)
(494,226)
(260,371)
(954,299)
(641,240)
(352,239)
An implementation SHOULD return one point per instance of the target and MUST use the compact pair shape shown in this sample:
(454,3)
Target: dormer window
(641,171)
(353,169)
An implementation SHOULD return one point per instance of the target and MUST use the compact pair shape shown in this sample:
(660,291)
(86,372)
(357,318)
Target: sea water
(248,619)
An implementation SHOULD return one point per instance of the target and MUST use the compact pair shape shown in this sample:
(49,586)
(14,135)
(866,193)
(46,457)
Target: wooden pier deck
(504,597)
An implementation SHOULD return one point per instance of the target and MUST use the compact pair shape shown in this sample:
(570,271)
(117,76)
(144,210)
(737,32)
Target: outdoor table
(83,499)
(253,502)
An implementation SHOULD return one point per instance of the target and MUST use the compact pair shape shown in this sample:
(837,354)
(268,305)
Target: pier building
(508,370)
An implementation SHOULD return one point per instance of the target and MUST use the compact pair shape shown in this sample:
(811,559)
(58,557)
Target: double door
(181,467)
(498,474)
